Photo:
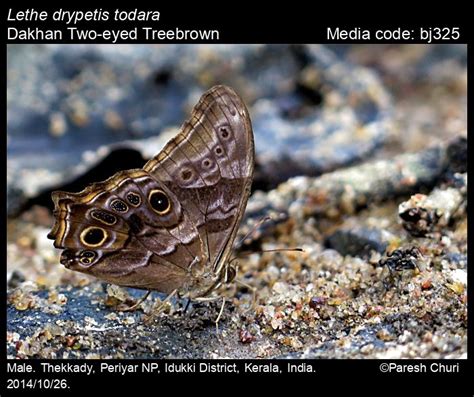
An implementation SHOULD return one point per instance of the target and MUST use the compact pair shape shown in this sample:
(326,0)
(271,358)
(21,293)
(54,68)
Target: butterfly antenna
(297,249)
(251,231)
(254,228)
(248,253)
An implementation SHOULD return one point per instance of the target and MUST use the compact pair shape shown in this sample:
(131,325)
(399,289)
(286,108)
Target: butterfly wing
(209,166)
(120,231)
(158,227)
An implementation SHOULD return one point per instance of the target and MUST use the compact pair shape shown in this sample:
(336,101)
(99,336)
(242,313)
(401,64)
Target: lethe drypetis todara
(169,226)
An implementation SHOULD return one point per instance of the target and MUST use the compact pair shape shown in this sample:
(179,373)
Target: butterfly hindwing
(209,166)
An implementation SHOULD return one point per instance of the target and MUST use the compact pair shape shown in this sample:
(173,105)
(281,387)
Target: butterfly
(169,226)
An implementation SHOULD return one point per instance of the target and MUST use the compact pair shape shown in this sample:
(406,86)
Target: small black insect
(401,259)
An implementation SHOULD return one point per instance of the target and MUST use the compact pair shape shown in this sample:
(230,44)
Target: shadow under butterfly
(169,226)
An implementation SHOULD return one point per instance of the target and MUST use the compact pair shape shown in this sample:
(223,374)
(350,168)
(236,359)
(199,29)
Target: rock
(457,259)
(422,214)
(346,191)
(350,122)
(359,242)
(457,155)
(15,278)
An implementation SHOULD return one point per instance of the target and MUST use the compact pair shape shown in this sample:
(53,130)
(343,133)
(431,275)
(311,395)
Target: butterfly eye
(93,236)
(159,202)
(229,274)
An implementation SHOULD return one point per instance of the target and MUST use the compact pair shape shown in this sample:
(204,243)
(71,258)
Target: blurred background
(77,108)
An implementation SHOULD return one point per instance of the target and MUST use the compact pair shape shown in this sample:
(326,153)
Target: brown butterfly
(169,226)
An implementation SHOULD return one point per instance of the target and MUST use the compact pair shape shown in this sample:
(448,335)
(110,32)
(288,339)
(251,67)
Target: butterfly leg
(221,311)
(250,288)
(187,305)
(161,307)
(207,298)
(219,316)
(136,304)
